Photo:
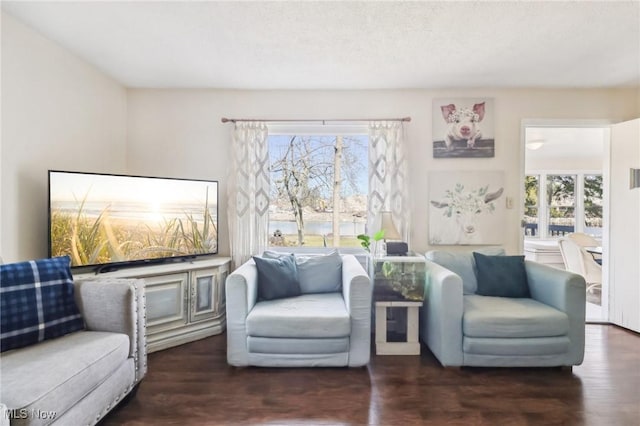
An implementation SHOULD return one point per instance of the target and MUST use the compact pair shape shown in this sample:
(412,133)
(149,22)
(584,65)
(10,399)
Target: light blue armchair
(462,328)
(314,329)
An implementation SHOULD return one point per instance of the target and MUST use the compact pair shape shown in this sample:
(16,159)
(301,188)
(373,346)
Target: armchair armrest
(564,291)
(357,291)
(117,306)
(241,294)
(441,314)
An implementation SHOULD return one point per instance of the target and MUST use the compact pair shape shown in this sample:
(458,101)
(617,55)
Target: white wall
(179,133)
(58,112)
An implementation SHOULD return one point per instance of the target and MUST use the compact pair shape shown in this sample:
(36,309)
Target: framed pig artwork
(463,128)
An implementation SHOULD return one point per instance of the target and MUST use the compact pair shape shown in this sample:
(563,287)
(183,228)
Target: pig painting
(464,124)
(463,128)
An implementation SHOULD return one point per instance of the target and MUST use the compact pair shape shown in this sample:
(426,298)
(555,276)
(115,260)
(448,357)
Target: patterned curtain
(388,179)
(248,192)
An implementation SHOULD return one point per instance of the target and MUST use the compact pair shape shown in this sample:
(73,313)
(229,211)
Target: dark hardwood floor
(193,385)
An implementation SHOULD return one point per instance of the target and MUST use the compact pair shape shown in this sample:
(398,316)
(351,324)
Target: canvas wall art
(463,128)
(466,208)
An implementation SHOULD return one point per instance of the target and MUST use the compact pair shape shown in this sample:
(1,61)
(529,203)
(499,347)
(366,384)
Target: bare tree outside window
(318,190)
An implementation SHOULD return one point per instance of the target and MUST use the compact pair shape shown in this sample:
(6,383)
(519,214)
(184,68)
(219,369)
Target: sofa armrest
(357,291)
(566,292)
(241,294)
(118,306)
(441,314)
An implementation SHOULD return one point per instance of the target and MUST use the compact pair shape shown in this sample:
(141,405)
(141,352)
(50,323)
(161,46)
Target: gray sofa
(462,328)
(326,329)
(78,378)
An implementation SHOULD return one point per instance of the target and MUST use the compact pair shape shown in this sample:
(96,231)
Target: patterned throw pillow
(37,302)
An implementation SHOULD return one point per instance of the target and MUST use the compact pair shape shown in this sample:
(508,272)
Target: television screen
(104,219)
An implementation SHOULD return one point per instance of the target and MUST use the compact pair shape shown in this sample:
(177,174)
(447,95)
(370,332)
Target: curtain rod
(320,120)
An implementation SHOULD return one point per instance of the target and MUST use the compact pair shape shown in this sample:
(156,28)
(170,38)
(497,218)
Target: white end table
(412,345)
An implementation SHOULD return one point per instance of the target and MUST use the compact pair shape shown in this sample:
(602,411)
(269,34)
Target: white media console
(185,300)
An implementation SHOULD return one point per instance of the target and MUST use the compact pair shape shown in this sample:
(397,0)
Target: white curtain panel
(388,178)
(248,192)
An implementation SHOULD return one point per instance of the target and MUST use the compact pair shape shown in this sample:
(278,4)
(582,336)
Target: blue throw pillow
(320,274)
(277,278)
(37,302)
(501,276)
(317,273)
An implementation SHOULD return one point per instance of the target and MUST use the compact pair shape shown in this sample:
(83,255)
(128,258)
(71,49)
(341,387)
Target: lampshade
(389,228)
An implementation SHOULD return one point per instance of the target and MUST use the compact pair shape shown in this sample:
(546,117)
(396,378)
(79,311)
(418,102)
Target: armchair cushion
(37,302)
(501,276)
(306,316)
(463,264)
(504,317)
(277,278)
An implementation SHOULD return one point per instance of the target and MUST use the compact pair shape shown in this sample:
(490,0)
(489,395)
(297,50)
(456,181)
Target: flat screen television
(108,221)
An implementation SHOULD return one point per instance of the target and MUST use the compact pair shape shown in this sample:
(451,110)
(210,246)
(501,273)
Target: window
(318,190)
(563,209)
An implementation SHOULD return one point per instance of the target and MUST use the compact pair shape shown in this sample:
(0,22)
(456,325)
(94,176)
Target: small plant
(365,240)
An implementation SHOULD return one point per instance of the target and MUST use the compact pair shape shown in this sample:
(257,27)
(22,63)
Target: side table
(411,346)
(398,284)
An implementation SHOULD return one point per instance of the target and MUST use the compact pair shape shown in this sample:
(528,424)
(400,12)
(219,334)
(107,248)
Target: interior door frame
(604,124)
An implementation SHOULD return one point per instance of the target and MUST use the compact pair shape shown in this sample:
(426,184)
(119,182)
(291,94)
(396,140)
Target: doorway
(564,184)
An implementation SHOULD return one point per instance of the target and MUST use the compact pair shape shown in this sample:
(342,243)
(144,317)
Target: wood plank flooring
(193,385)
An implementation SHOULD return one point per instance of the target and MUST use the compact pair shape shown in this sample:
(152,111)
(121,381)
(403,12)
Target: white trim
(606,221)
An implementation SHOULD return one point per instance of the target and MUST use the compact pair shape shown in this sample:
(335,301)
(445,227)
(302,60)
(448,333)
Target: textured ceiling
(348,45)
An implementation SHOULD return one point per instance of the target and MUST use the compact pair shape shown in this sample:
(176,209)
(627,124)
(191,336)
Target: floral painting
(463,128)
(466,208)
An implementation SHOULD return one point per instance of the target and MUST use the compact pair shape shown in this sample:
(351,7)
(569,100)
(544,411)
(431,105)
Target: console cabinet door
(167,303)
(207,293)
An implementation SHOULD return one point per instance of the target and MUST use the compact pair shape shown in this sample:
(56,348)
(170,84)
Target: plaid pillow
(37,302)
